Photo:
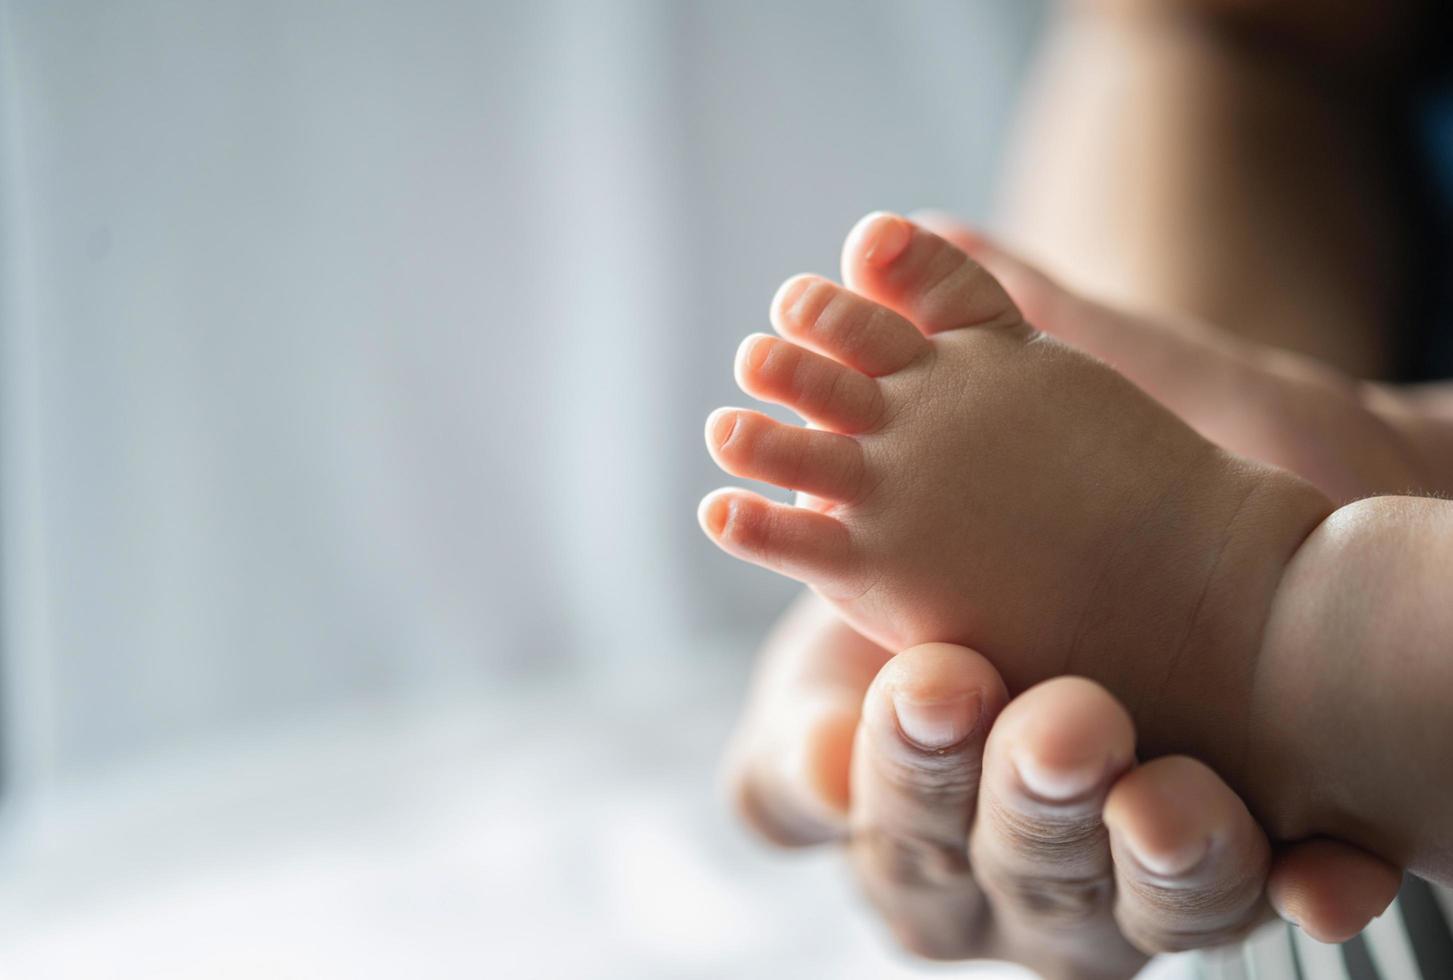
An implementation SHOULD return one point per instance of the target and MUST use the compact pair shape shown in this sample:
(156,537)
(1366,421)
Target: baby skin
(969,479)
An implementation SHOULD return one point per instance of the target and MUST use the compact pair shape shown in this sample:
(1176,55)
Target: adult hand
(1019,830)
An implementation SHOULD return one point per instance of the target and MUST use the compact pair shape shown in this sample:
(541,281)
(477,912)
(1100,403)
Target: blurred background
(354,620)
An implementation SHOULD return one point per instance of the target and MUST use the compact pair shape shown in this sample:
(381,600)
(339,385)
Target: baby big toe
(935,285)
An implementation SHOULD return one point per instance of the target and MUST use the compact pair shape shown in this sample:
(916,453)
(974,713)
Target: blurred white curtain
(361,349)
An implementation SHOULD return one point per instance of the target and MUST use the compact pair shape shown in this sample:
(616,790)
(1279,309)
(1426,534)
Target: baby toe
(755,447)
(803,544)
(848,328)
(914,272)
(817,388)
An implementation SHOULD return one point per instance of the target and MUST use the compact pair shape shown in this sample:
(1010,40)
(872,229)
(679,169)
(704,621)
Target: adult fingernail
(1168,862)
(714,513)
(1057,784)
(938,724)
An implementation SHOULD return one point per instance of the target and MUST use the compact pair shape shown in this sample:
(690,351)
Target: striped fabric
(1412,940)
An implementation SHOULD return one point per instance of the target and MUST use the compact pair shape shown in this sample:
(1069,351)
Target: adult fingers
(1039,848)
(1190,862)
(786,767)
(915,780)
(1331,889)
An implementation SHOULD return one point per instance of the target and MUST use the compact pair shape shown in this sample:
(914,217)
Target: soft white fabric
(359,350)
(353,359)
(457,839)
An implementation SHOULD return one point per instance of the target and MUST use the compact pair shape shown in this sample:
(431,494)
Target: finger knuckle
(757,815)
(1171,920)
(1050,869)
(771,814)
(1154,939)
(955,923)
(962,943)
(934,782)
(1052,836)
(1047,900)
(909,860)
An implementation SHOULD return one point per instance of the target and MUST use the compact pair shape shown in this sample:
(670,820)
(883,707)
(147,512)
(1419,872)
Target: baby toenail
(714,514)
(789,296)
(723,424)
(885,236)
(754,351)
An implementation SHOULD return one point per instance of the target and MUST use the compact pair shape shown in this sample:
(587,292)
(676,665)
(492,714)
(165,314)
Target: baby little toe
(803,544)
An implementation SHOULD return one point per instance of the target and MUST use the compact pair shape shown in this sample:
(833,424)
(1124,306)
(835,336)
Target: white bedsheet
(536,831)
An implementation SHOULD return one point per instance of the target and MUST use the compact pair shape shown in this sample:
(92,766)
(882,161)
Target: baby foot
(970,480)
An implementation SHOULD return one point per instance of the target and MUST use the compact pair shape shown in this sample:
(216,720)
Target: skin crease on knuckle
(1153,937)
(908,860)
(1165,919)
(1048,840)
(913,805)
(1046,902)
(922,791)
(1040,866)
(927,782)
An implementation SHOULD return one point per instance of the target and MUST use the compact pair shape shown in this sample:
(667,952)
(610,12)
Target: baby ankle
(1206,696)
